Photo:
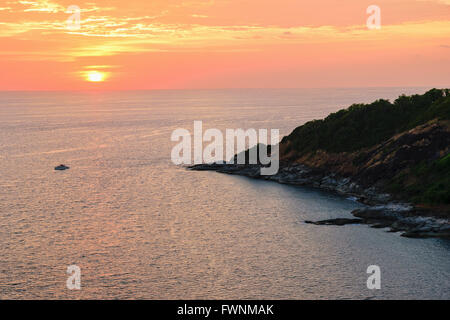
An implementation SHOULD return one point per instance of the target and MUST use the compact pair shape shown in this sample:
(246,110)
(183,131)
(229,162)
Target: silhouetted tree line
(365,125)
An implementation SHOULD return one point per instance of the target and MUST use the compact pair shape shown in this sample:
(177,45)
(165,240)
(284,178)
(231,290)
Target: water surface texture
(140,227)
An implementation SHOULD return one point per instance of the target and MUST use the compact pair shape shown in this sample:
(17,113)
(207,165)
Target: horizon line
(216,89)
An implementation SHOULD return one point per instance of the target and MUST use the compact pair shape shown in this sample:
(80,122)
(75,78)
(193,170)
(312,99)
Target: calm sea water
(140,227)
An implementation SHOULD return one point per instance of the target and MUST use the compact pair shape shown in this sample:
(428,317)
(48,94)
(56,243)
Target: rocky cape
(390,177)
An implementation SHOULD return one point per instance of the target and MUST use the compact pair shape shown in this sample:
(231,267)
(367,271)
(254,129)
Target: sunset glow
(173,44)
(95,76)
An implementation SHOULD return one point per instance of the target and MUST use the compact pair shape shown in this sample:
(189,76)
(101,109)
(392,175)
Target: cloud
(201,16)
(42,6)
(107,32)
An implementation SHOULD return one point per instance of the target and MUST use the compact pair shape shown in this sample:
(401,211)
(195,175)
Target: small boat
(62,167)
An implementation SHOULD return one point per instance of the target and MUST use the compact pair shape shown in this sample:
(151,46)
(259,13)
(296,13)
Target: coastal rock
(380,225)
(426,234)
(402,220)
(61,167)
(336,222)
(372,214)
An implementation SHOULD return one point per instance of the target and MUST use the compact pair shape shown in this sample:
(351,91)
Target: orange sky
(177,44)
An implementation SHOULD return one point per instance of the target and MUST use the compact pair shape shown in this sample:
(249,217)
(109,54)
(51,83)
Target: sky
(193,44)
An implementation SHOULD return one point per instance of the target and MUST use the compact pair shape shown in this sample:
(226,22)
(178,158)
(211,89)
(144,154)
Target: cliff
(400,148)
(391,156)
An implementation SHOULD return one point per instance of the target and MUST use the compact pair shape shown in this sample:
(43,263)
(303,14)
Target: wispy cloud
(42,6)
(140,35)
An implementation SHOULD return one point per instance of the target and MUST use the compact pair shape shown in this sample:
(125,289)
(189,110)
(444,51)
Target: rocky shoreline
(382,210)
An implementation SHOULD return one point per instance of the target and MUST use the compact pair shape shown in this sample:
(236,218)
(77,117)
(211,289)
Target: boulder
(335,222)
(62,167)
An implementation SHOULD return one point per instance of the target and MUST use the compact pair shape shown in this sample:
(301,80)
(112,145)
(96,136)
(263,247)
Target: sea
(137,226)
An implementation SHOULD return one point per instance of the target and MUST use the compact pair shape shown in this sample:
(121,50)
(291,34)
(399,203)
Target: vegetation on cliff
(400,147)
(427,182)
(365,125)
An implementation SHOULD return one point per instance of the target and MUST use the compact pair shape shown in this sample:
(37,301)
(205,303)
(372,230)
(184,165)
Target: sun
(95,76)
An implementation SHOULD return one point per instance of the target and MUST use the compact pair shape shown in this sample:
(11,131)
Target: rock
(414,235)
(62,167)
(335,222)
(381,225)
(444,229)
(374,214)
(403,225)
(425,234)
